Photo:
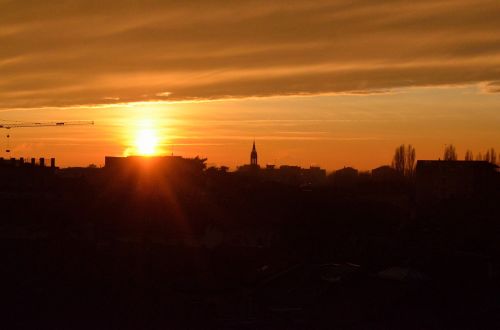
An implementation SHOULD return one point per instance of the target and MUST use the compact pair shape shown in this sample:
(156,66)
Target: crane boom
(46,124)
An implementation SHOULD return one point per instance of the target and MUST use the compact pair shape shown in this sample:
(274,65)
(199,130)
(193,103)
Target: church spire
(253,155)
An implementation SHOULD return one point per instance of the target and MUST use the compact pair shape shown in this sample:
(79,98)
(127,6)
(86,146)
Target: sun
(146,142)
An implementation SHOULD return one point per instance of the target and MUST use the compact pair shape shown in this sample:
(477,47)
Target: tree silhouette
(450,153)
(404,160)
(487,156)
(491,156)
(399,159)
(410,160)
(469,155)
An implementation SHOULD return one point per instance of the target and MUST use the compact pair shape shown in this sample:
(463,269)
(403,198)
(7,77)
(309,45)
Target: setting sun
(146,142)
(250,164)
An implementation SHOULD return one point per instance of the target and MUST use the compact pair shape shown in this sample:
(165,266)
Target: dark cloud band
(63,53)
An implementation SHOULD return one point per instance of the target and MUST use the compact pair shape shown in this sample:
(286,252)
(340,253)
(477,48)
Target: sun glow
(146,132)
(146,142)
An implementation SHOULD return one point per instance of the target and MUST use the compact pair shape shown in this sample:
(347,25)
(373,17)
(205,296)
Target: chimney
(52,163)
(33,162)
(21,161)
(42,162)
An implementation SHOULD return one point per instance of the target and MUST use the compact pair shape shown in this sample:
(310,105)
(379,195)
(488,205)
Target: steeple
(253,155)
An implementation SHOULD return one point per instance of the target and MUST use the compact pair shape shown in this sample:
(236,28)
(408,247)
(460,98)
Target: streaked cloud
(491,87)
(84,52)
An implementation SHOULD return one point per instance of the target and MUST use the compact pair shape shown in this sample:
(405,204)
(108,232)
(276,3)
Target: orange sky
(331,83)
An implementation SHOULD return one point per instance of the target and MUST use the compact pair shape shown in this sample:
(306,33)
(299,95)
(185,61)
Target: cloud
(491,87)
(86,52)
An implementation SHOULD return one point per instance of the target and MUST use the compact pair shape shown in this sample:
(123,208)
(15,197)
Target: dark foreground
(234,253)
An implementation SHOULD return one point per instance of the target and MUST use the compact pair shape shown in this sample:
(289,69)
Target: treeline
(450,153)
(404,159)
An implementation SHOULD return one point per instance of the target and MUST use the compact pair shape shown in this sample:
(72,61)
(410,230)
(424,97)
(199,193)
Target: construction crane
(19,124)
(45,124)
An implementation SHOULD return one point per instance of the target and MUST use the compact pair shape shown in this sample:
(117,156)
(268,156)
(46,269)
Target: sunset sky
(329,83)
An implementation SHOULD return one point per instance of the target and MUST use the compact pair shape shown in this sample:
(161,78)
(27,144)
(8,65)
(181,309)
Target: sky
(328,83)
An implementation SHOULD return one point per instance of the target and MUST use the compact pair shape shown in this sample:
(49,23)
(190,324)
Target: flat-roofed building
(438,180)
(156,163)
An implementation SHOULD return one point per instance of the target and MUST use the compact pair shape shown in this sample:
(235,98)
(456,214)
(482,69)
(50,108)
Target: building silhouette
(345,177)
(172,165)
(386,173)
(253,155)
(439,181)
(156,171)
(287,174)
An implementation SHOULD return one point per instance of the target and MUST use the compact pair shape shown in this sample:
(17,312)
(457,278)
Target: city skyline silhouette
(317,83)
(322,164)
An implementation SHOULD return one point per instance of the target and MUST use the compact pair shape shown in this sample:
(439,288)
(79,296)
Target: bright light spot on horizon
(146,142)
(145,137)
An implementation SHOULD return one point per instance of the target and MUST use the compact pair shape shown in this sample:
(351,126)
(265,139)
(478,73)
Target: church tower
(253,155)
